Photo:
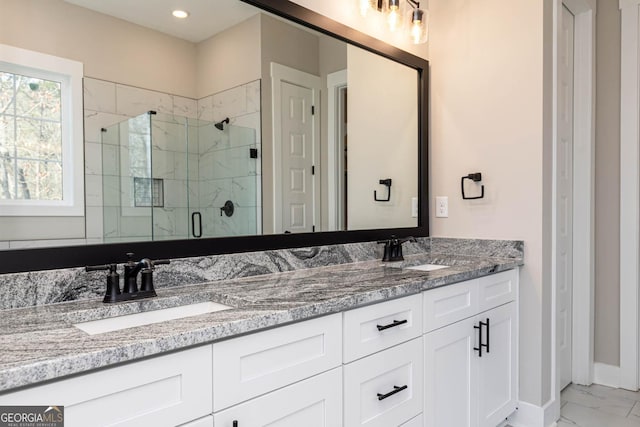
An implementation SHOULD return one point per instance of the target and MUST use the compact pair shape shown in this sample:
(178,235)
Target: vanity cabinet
(383,369)
(166,390)
(409,362)
(471,362)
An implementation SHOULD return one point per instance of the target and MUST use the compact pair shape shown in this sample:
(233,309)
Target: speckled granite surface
(40,343)
(53,286)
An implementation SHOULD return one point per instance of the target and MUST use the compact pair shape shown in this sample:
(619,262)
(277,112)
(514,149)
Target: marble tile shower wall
(53,286)
(106,104)
(226,170)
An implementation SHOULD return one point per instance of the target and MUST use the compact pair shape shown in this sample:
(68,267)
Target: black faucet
(393,248)
(130,289)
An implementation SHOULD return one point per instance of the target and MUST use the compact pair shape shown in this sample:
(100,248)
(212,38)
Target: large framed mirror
(257,125)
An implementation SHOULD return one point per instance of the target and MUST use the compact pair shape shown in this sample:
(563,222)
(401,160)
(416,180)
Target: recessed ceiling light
(180,14)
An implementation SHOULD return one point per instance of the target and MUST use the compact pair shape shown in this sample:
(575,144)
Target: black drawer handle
(396,389)
(481,344)
(391,325)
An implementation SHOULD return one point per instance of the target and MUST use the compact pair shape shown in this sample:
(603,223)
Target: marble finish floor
(599,406)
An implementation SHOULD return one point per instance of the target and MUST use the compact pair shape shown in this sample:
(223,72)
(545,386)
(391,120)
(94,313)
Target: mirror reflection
(232,122)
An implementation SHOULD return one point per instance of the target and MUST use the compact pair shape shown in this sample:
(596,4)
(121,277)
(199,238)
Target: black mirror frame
(34,259)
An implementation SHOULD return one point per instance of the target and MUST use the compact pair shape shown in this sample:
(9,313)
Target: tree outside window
(30,138)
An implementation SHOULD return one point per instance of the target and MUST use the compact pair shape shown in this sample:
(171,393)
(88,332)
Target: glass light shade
(367,6)
(419,26)
(395,12)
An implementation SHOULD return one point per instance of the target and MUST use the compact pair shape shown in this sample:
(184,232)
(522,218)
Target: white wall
(382,113)
(229,59)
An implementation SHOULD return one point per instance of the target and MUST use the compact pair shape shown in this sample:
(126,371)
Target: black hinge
(313,170)
(313,110)
(313,228)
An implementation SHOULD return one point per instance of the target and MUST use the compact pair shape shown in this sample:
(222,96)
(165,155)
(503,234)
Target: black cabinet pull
(488,329)
(479,327)
(391,325)
(395,390)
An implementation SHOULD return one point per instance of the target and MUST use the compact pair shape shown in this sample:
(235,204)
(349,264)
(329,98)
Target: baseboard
(528,415)
(608,375)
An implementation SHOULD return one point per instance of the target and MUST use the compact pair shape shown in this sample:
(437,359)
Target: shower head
(220,125)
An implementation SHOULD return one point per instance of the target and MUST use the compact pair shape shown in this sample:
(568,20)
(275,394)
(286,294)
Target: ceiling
(206,17)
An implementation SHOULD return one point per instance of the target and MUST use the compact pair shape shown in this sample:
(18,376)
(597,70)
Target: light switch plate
(442,207)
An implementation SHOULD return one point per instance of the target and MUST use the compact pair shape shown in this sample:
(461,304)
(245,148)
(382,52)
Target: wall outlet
(442,207)
(414,207)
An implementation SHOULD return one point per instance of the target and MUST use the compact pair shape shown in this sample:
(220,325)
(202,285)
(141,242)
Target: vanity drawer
(255,364)
(314,402)
(379,326)
(497,289)
(367,380)
(448,304)
(164,390)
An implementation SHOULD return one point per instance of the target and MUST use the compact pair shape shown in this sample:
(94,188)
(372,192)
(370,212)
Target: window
(41,138)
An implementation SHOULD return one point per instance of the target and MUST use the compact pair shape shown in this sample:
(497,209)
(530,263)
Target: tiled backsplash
(52,286)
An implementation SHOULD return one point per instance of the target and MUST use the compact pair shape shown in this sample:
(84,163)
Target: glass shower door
(127,185)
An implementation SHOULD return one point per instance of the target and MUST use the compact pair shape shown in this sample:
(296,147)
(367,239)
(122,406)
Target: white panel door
(297,159)
(497,367)
(451,375)
(315,402)
(564,197)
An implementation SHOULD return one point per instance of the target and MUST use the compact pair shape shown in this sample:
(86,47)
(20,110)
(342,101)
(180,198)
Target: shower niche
(168,177)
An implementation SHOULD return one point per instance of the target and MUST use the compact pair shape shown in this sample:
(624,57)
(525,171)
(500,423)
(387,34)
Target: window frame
(69,73)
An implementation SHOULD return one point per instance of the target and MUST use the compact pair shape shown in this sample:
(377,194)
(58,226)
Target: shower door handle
(193,224)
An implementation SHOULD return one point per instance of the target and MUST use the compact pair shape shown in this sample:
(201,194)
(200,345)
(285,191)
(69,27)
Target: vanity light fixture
(181,14)
(396,15)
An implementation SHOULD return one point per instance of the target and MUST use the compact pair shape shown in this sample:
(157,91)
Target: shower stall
(170,177)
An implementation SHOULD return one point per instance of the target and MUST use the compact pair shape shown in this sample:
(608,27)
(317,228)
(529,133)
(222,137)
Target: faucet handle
(113,280)
(146,283)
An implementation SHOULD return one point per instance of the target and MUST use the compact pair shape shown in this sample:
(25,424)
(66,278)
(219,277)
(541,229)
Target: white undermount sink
(427,267)
(117,323)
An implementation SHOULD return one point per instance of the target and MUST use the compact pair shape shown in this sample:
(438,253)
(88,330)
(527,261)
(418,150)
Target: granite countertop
(40,343)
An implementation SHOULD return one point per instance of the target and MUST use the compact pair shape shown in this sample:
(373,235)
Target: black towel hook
(387,183)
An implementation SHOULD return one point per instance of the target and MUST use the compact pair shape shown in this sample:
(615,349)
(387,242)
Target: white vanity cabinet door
(162,391)
(202,422)
(366,380)
(497,371)
(379,326)
(255,364)
(463,388)
(451,375)
(314,402)
(448,304)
